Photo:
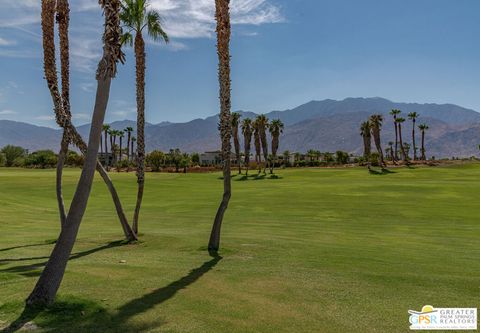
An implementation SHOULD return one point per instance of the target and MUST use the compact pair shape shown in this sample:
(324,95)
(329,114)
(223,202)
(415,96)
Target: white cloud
(87,87)
(182,19)
(45,118)
(7,112)
(6,42)
(81,116)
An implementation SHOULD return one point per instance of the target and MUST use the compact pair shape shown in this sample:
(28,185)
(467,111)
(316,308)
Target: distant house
(211,158)
(215,158)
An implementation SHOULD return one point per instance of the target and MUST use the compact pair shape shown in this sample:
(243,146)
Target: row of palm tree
(372,128)
(257,128)
(116,151)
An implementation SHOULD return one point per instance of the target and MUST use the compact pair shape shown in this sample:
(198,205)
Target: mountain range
(326,125)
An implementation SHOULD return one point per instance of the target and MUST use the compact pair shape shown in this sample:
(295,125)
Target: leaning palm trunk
(222,16)
(47,286)
(140,72)
(63,19)
(62,155)
(62,108)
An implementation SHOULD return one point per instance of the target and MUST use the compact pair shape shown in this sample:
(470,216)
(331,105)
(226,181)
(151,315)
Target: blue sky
(284,53)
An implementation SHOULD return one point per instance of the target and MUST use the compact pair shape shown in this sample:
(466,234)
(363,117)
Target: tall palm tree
(392,157)
(132,150)
(413,117)
(367,138)
(47,286)
(400,121)
(62,103)
(262,123)
(423,128)
(106,129)
(137,18)
(222,16)
(247,140)
(376,121)
(258,144)
(275,128)
(121,135)
(129,131)
(395,113)
(236,141)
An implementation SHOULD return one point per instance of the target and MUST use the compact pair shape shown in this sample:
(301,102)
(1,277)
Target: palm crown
(413,115)
(136,18)
(276,127)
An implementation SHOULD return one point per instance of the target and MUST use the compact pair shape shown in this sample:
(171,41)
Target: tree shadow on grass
(381,172)
(77,315)
(32,269)
(48,242)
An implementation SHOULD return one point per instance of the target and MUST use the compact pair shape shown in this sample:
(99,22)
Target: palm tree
(247,140)
(222,16)
(236,141)
(376,121)
(395,113)
(275,128)
(400,121)
(136,19)
(121,135)
(62,103)
(423,128)
(367,139)
(132,150)
(258,145)
(106,129)
(392,157)
(129,131)
(262,123)
(413,117)
(47,286)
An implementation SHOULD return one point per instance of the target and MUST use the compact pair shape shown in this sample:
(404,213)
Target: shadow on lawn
(28,245)
(257,177)
(77,315)
(380,172)
(31,270)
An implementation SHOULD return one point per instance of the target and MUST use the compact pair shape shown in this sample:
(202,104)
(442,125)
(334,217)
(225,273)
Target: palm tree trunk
(378,145)
(129,136)
(396,137)
(424,158)
(62,155)
(106,149)
(401,142)
(51,277)
(222,16)
(140,73)
(413,141)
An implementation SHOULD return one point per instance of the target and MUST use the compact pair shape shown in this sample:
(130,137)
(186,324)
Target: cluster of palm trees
(109,139)
(258,129)
(125,23)
(398,150)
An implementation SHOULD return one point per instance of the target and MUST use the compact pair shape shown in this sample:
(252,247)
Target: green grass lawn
(318,250)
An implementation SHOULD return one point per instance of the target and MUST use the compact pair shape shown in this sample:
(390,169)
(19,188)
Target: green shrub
(41,159)
(11,153)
